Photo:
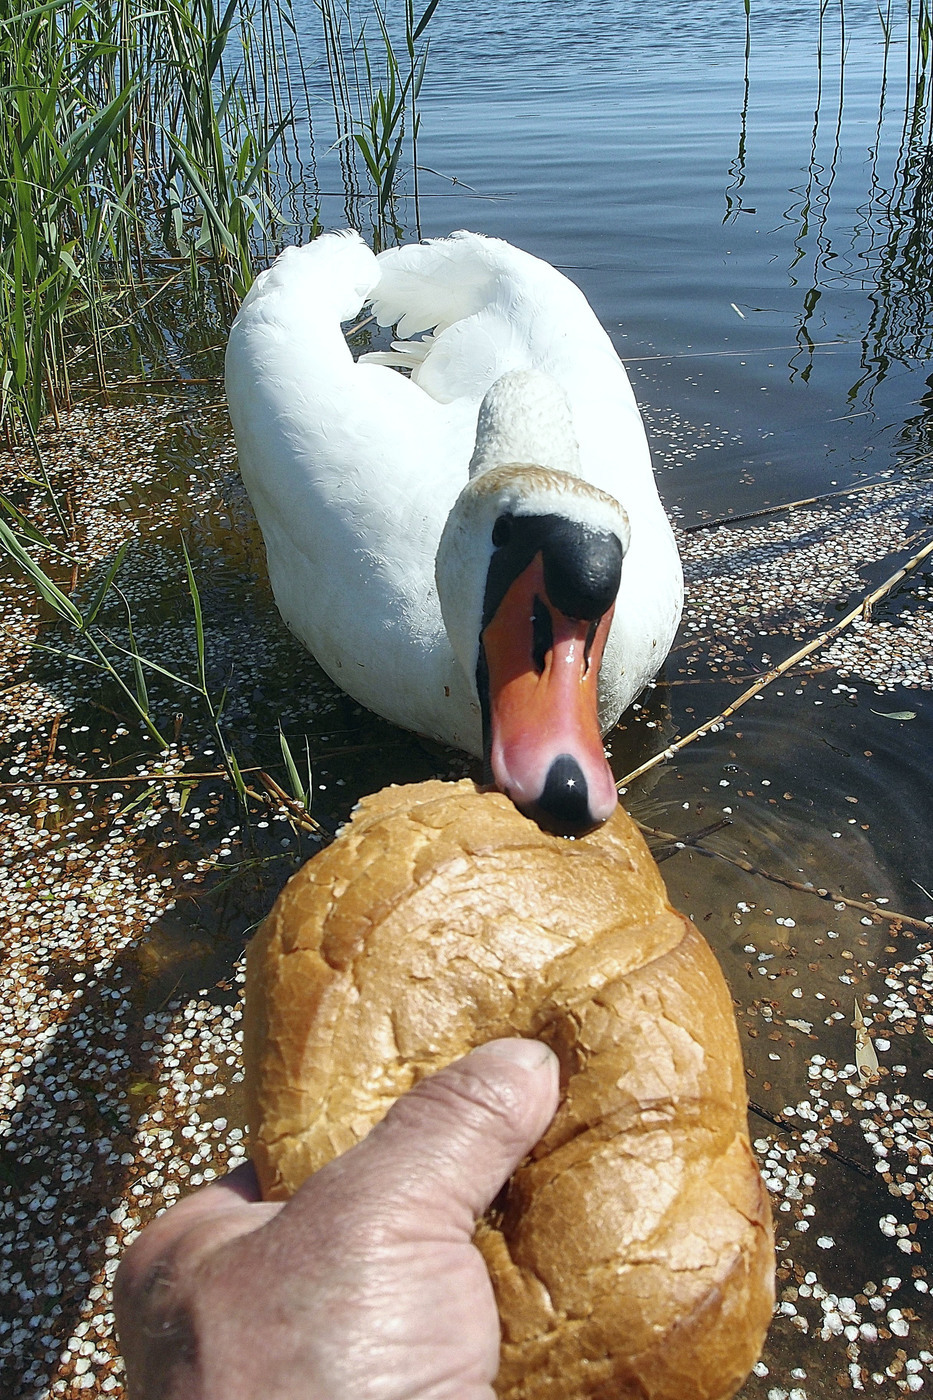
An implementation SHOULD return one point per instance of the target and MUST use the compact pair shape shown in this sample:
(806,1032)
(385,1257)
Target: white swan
(369,484)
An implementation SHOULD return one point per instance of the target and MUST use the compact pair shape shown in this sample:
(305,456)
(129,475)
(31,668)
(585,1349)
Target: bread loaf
(631,1254)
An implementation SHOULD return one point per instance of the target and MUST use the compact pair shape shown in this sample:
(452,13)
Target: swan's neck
(525,417)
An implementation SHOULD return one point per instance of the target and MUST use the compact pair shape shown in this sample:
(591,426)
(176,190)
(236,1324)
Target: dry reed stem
(872,485)
(774,510)
(297,813)
(863,609)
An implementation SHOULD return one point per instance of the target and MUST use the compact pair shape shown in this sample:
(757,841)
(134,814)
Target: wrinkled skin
(364,1284)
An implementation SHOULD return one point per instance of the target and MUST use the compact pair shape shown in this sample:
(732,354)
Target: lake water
(749,212)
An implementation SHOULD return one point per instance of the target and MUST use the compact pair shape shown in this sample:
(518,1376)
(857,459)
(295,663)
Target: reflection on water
(883,244)
(744,199)
(734,202)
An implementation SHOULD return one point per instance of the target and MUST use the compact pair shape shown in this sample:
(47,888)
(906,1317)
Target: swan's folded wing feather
(404,354)
(338,270)
(424,286)
(327,445)
(464,360)
(494,308)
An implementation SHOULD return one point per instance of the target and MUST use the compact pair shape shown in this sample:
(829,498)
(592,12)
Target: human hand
(366,1283)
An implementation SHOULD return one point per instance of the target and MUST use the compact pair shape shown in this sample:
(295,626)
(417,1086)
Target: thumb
(446,1148)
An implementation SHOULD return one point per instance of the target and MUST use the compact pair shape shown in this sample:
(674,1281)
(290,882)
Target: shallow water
(754,236)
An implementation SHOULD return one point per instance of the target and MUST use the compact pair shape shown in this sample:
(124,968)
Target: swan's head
(528,570)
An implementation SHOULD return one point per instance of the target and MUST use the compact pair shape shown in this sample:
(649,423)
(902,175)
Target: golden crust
(633,1254)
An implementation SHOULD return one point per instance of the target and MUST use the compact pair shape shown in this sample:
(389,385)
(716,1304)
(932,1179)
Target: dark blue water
(749,209)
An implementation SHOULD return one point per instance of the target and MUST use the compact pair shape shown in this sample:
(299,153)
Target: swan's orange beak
(544,745)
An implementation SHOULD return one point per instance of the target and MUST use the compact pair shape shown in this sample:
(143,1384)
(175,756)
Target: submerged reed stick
(863,609)
(694,843)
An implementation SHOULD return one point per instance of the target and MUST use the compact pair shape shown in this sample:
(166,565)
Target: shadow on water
(73,1154)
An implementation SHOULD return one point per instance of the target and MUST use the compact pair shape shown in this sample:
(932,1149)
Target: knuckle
(479,1102)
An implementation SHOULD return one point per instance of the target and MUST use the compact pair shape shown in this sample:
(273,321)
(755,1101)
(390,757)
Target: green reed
(110,649)
(375,90)
(147,154)
(122,141)
(149,163)
(60,206)
(216,186)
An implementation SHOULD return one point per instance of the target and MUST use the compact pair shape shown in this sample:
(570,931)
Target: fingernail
(528,1054)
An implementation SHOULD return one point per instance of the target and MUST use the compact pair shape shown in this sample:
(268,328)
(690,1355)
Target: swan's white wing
(468,285)
(494,309)
(352,470)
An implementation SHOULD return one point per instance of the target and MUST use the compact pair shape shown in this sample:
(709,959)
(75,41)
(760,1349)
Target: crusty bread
(632,1253)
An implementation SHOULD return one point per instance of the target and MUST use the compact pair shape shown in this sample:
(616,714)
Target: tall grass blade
(104,588)
(139,675)
(236,775)
(300,792)
(198,620)
(50,591)
(25,527)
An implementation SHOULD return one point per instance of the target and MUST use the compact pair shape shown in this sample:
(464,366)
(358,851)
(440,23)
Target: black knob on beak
(563,806)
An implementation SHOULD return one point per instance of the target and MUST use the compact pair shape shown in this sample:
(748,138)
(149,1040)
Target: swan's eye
(542,635)
(502,531)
